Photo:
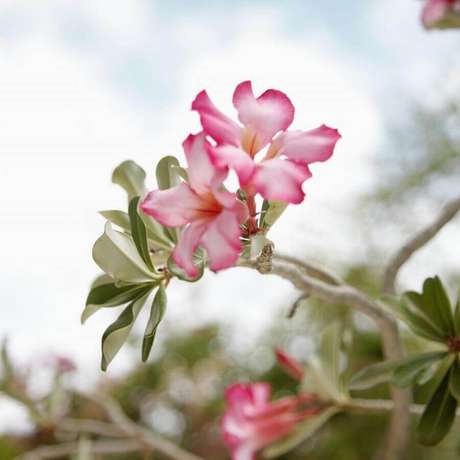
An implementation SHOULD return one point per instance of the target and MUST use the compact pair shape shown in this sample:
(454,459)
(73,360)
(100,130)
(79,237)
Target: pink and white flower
(211,215)
(289,364)
(441,14)
(264,123)
(251,422)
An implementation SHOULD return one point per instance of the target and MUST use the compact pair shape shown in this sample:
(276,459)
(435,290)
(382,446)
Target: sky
(85,85)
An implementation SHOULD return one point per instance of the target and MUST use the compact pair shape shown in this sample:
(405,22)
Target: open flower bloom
(441,14)
(264,123)
(212,215)
(251,422)
(289,364)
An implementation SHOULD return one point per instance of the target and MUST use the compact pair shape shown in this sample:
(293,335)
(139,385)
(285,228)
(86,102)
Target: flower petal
(186,246)
(236,159)
(215,124)
(201,169)
(281,180)
(222,240)
(289,364)
(263,117)
(172,207)
(308,146)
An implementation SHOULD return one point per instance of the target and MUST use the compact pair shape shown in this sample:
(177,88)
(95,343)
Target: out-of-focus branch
(66,450)
(75,425)
(146,438)
(416,242)
(309,269)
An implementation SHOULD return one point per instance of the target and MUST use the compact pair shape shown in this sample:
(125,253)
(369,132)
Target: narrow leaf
(373,375)
(116,255)
(437,306)
(455,380)
(457,319)
(131,177)
(410,368)
(118,218)
(139,233)
(116,334)
(438,416)
(111,295)
(156,315)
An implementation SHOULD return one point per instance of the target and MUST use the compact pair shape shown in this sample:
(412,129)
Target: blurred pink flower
(251,422)
(62,364)
(265,120)
(441,14)
(289,364)
(211,214)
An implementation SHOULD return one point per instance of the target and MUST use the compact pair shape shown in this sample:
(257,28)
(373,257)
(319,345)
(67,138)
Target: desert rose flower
(211,215)
(289,364)
(251,422)
(263,125)
(441,14)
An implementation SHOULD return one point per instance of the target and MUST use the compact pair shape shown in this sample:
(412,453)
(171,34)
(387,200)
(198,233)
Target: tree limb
(416,242)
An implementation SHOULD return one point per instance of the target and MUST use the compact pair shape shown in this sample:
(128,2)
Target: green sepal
(438,416)
(116,334)
(156,315)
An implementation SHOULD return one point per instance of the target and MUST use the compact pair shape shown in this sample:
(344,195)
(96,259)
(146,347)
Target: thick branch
(416,242)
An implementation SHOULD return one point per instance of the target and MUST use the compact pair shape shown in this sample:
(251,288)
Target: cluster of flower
(215,218)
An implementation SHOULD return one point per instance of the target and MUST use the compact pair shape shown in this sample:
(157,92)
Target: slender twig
(75,425)
(145,437)
(65,450)
(309,269)
(416,242)
(296,305)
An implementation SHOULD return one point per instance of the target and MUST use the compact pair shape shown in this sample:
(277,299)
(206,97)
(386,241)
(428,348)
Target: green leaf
(167,172)
(111,295)
(438,416)
(373,375)
(155,231)
(271,212)
(116,255)
(455,380)
(116,334)
(302,432)
(156,315)
(329,354)
(415,319)
(457,318)
(131,177)
(410,368)
(118,218)
(435,304)
(139,233)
